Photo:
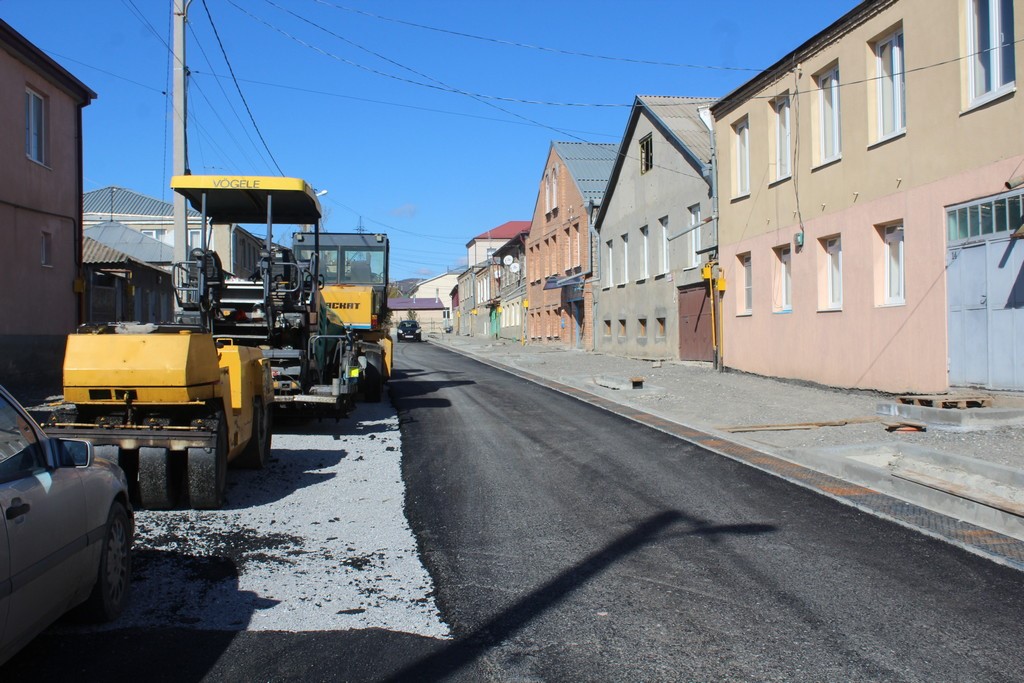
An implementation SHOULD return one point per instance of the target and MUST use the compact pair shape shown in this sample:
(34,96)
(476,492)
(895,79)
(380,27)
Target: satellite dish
(508,260)
(514,267)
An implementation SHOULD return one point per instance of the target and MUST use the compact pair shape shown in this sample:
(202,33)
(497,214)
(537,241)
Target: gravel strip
(316,541)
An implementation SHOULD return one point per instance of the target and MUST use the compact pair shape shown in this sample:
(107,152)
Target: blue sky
(426,119)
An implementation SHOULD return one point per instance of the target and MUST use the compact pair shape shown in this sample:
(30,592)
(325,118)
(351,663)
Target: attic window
(646,153)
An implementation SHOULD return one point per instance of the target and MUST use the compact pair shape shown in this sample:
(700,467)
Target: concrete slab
(961,419)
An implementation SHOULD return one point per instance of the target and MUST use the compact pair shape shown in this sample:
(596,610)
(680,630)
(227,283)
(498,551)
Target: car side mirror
(74,453)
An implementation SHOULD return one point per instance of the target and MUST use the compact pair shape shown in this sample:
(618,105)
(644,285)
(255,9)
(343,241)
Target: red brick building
(560,257)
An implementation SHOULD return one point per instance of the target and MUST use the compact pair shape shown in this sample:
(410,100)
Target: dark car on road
(65,532)
(409,330)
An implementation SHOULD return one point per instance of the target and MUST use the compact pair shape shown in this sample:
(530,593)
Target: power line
(540,48)
(441,86)
(239,88)
(436,85)
(432,110)
(226,99)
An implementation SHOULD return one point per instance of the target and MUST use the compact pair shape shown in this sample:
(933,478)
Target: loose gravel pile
(316,541)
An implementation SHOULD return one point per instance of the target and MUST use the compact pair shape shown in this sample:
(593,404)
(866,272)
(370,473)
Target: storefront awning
(555,282)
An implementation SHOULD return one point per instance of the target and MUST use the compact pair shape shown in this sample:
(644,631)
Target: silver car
(66,530)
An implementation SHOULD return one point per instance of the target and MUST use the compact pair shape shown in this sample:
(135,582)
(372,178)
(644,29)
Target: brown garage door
(695,324)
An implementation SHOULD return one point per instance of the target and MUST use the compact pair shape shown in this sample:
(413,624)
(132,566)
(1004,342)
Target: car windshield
(406,324)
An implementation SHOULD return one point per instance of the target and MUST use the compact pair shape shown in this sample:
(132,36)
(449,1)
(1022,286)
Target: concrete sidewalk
(964,465)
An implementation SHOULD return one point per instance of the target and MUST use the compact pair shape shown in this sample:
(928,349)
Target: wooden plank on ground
(798,425)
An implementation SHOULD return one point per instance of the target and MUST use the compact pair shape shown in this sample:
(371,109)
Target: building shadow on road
(465,650)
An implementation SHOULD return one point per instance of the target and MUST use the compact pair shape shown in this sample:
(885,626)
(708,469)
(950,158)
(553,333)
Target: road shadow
(287,471)
(450,659)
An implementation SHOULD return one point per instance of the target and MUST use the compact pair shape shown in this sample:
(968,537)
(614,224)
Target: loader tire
(206,472)
(156,491)
(256,452)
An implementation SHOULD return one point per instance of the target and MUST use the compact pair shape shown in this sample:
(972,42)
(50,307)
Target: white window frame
(195,238)
(610,281)
(834,272)
(36,124)
(895,276)
(664,245)
(748,283)
(645,270)
(785,254)
(991,69)
(742,134)
(783,146)
(579,245)
(828,94)
(625,259)
(891,85)
(554,187)
(693,239)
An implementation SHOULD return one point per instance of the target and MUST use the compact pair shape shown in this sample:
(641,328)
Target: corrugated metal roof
(590,164)
(100,254)
(133,243)
(97,252)
(117,201)
(680,115)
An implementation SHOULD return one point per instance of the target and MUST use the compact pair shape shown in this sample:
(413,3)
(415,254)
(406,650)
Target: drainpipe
(594,239)
(706,119)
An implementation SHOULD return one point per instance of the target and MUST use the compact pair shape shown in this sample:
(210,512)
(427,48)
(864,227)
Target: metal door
(985,286)
(695,324)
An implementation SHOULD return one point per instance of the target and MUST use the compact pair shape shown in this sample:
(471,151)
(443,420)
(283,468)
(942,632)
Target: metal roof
(132,242)
(678,119)
(100,254)
(680,116)
(119,202)
(97,252)
(590,164)
(505,231)
(415,304)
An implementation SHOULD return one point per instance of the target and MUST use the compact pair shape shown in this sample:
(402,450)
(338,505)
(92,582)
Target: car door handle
(17,509)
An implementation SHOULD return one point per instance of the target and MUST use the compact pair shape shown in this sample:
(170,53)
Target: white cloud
(404,211)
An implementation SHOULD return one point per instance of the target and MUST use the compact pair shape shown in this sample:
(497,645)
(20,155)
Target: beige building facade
(865,217)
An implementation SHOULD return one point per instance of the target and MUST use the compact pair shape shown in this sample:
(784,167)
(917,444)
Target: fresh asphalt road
(563,543)
(568,543)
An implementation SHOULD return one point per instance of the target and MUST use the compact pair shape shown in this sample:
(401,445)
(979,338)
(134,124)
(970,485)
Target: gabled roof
(679,116)
(678,119)
(118,201)
(505,231)
(590,164)
(132,242)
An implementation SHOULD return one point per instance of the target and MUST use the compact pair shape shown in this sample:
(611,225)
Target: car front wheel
(110,594)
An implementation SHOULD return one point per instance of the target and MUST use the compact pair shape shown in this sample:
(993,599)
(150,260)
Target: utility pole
(180,159)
